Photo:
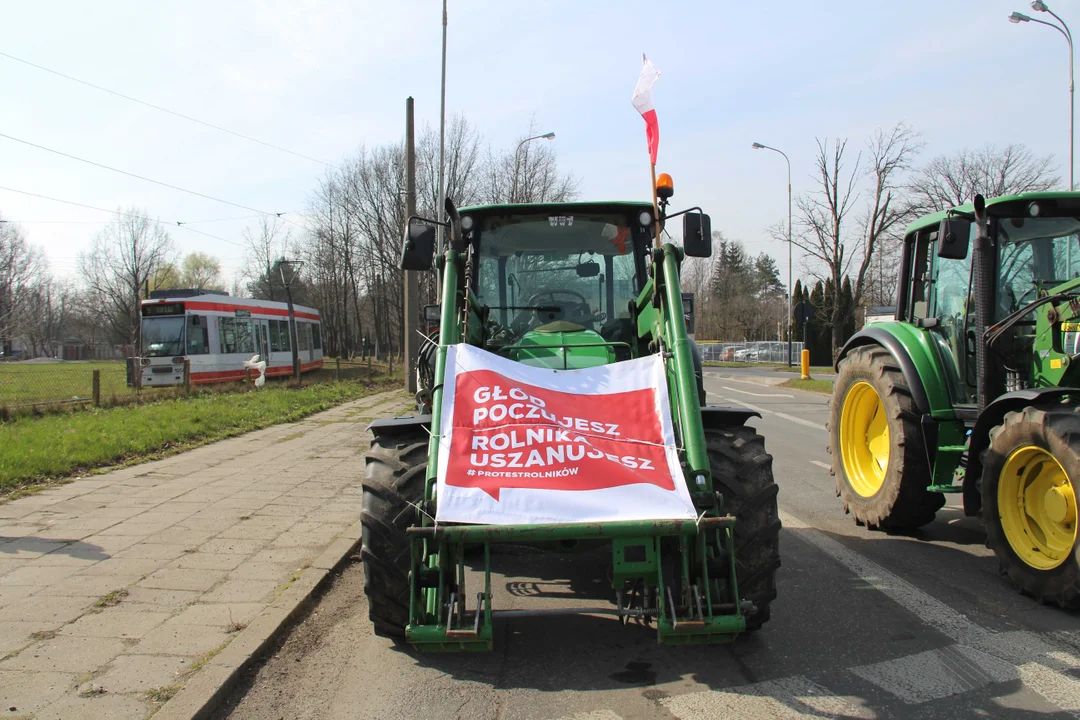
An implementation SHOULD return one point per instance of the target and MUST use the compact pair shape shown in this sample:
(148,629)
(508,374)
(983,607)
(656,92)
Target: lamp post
(759,146)
(545,136)
(1017,18)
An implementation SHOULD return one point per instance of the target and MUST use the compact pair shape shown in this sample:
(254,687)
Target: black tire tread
(903,502)
(1059,426)
(742,471)
(395,470)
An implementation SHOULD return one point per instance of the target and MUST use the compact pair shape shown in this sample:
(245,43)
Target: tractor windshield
(536,270)
(1033,254)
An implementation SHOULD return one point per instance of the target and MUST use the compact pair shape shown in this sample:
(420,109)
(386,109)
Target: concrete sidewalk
(115,590)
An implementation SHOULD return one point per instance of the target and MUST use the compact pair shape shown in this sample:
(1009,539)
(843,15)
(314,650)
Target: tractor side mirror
(433,313)
(697,234)
(588,269)
(418,247)
(953,234)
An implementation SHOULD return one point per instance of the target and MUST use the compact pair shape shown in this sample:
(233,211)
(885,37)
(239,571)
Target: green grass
(778,367)
(811,385)
(34,450)
(25,383)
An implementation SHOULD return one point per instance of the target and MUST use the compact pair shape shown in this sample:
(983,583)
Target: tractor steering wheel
(579,309)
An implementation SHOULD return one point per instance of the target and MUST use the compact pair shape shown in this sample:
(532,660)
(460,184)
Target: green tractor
(974,389)
(567,286)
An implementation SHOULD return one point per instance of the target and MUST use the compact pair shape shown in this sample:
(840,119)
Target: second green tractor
(974,388)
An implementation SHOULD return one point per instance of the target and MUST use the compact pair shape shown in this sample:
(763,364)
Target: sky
(323,78)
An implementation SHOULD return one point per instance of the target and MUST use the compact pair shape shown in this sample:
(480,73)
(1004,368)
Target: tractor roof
(934,219)
(561,207)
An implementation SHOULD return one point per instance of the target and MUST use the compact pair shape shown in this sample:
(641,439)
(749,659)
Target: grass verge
(34,450)
(819,386)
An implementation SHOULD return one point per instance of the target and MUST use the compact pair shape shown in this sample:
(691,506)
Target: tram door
(262,341)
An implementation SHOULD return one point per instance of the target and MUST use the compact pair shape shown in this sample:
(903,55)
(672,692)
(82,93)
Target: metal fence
(55,383)
(764,351)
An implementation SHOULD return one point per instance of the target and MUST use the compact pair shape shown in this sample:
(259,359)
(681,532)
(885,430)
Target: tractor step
(946,488)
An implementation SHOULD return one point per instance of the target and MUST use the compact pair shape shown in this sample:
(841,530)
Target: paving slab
(116,590)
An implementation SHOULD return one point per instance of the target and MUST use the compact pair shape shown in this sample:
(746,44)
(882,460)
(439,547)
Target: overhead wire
(135,175)
(182,226)
(163,109)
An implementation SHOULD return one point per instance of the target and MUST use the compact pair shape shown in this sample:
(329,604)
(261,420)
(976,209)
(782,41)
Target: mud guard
(393,426)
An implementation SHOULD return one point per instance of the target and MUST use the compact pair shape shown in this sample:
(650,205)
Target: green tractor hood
(562,345)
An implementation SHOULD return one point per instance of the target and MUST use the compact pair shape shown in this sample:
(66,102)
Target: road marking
(747,392)
(791,698)
(986,655)
(763,411)
(823,466)
(936,674)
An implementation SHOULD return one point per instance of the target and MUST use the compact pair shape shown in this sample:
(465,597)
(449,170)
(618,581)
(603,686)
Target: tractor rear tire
(742,472)
(1031,472)
(878,452)
(396,466)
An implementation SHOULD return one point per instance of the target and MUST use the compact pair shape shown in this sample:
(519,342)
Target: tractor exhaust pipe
(983,280)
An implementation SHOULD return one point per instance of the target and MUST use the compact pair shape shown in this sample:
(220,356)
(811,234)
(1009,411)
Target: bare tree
(123,257)
(527,172)
(888,208)
(47,313)
(267,243)
(22,266)
(825,215)
(951,180)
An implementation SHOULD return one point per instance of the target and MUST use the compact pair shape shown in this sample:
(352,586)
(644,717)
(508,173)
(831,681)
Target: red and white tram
(217,333)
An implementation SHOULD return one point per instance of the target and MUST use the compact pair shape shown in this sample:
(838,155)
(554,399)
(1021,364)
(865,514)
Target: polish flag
(643,101)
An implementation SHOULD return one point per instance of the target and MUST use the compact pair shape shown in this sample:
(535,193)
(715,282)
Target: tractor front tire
(878,453)
(1031,471)
(742,473)
(396,466)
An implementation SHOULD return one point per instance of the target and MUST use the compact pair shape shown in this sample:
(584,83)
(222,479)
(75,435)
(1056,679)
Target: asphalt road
(867,625)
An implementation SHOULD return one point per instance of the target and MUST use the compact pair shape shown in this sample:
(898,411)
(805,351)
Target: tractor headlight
(1034,209)
(467,223)
(645,218)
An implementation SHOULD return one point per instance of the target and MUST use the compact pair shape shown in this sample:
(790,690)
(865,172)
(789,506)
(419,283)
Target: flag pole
(655,205)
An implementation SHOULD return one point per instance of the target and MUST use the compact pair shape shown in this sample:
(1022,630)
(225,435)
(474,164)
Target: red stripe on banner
(225,307)
(652,133)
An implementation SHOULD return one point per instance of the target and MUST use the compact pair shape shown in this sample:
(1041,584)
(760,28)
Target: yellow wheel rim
(1037,506)
(864,439)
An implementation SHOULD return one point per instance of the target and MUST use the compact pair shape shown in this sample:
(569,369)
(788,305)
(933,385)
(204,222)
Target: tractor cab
(1035,256)
(555,285)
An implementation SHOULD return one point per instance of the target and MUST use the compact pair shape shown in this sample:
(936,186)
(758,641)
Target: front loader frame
(678,573)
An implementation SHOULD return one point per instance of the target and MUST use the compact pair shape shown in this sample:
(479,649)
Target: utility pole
(287,282)
(412,288)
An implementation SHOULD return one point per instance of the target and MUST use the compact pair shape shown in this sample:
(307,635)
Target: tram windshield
(163,336)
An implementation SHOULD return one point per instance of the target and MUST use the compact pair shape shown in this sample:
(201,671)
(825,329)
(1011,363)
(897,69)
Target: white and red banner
(522,444)
(643,102)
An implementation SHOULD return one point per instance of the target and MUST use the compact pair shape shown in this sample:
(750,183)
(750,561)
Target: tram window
(275,336)
(198,335)
(316,337)
(304,336)
(235,335)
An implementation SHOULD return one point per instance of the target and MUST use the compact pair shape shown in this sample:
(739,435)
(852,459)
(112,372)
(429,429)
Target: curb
(206,690)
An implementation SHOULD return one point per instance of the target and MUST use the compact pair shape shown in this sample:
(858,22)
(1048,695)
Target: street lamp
(759,146)
(545,136)
(1017,18)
